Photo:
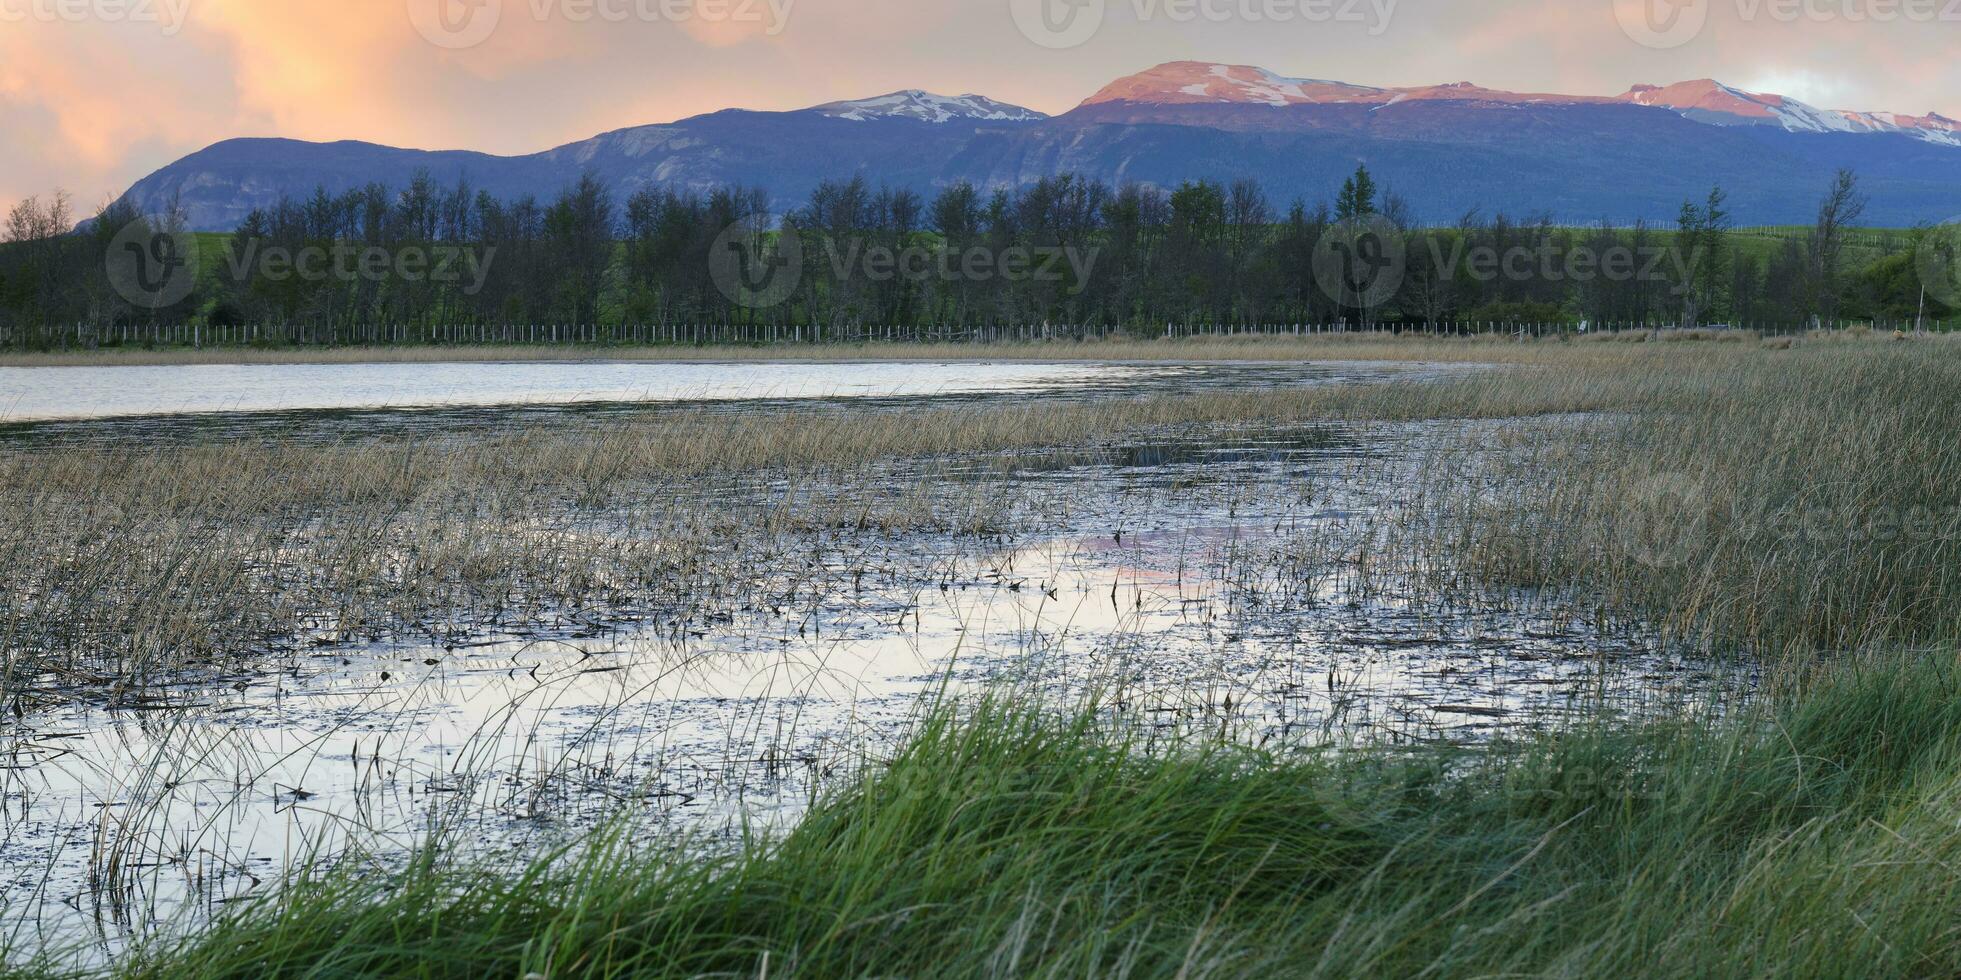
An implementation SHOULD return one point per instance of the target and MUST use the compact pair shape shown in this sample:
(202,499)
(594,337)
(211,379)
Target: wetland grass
(1788,505)
(1808,831)
(119,565)
(1811,837)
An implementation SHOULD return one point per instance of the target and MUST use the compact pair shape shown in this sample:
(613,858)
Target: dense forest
(1062,250)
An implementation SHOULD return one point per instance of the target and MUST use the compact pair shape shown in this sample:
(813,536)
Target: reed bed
(1805,503)
(110,607)
(1795,506)
(1787,501)
(118,565)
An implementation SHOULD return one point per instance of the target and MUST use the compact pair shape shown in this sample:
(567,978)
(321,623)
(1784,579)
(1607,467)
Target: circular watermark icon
(150,267)
(1663,520)
(1360,262)
(1662,24)
(1937,260)
(456,24)
(753,267)
(1058,24)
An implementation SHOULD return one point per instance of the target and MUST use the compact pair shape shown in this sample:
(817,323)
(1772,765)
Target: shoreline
(1478,348)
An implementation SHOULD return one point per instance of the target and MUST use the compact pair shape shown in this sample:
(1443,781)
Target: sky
(95,94)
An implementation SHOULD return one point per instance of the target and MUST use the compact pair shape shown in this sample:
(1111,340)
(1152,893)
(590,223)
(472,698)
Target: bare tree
(1841,209)
(34,220)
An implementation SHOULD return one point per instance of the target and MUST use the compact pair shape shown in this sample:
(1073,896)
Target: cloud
(85,105)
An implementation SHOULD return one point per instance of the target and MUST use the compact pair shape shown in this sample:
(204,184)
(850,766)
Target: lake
(58,393)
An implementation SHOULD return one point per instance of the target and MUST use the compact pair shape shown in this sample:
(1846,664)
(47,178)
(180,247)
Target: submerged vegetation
(1790,508)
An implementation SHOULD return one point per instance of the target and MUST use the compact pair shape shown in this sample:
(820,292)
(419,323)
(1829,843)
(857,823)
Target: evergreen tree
(1357,198)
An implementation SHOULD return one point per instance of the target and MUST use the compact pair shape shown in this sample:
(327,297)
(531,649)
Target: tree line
(1065,249)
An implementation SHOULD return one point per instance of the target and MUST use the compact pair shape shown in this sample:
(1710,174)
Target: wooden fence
(86,336)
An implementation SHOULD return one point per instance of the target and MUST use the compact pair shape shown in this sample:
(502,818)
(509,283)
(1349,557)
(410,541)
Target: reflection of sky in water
(30,394)
(150,406)
(100,392)
(1166,580)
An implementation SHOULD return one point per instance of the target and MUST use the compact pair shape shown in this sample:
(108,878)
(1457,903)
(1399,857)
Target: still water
(1205,580)
(56,393)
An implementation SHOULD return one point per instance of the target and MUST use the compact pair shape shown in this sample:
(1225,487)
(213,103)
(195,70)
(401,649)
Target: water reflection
(1193,576)
(333,403)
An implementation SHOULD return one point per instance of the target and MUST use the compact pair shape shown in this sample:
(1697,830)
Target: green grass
(1815,837)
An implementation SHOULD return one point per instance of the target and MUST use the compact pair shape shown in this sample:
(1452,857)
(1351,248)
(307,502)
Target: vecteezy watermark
(467,265)
(151,266)
(456,24)
(756,268)
(1850,11)
(866,262)
(1363,263)
(1865,523)
(1587,784)
(1664,24)
(1058,24)
(753,267)
(459,24)
(1937,259)
(1548,262)
(168,15)
(1360,263)
(1063,24)
(1670,519)
(1663,520)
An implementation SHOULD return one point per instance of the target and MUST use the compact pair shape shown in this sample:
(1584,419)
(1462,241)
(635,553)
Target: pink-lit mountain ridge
(1704,100)
(1447,148)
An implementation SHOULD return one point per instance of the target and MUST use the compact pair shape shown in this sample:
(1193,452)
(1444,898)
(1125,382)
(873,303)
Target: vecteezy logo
(1937,259)
(1058,24)
(150,267)
(1662,24)
(754,268)
(1360,262)
(1664,520)
(455,24)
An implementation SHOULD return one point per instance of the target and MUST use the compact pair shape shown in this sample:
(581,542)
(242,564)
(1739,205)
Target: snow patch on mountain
(1932,127)
(1705,98)
(927,107)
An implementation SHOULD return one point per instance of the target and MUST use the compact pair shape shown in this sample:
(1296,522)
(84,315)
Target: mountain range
(1446,148)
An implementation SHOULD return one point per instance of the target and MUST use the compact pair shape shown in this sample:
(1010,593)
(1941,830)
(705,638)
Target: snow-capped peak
(1707,100)
(1932,127)
(1198,82)
(927,107)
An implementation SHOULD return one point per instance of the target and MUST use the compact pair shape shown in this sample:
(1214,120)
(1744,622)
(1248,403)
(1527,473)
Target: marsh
(251,659)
